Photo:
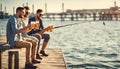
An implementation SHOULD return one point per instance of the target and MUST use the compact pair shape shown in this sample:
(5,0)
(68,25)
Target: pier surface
(55,60)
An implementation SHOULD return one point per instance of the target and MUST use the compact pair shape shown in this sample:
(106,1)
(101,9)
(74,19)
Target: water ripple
(90,65)
(108,55)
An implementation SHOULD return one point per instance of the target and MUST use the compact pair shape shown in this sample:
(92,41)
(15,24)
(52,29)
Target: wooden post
(62,18)
(72,18)
(77,16)
(100,16)
(16,60)
(13,62)
(0,60)
(10,60)
(53,16)
(94,16)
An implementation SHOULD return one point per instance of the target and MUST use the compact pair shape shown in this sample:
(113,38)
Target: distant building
(6,15)
(3,15)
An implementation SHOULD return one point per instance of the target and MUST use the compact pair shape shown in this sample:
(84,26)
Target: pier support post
(0,60)
(94,16)
(100,16)
(53,17)
(72,18)
(76,16)
(13,61)
(116,16)
(62,18)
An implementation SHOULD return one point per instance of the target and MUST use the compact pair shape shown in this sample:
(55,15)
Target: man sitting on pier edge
(41,30)
(36,37)
(14,32)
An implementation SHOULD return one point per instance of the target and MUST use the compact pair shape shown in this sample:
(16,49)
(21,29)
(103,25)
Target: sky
(56,5)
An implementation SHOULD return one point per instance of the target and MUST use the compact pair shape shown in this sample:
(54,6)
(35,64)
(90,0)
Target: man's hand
(29,27)
(50,28)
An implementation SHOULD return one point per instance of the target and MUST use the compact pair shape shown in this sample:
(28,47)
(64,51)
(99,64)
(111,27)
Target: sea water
(87,45)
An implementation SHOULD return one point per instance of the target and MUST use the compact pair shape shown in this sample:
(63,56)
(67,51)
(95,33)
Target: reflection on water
(88,45)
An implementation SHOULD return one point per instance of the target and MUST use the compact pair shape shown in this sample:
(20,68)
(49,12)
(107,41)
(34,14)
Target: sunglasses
(27,12)
(41,14)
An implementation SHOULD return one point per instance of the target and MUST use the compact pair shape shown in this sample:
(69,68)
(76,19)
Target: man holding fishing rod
(40,30)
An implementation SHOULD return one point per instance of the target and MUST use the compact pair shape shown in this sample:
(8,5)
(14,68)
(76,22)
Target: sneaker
(35,61)
(38,57)
(30,66)
(43,53)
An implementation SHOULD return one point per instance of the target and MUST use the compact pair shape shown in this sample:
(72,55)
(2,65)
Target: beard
(38,17)
(25,16)
(21,16)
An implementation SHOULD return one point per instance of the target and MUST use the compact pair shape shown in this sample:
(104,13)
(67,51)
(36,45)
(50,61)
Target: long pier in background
(113,13)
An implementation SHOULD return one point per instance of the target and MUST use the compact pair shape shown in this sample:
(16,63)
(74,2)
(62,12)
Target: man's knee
(38,36)
(34,43)
(47,36)
(28,45)
(34,38)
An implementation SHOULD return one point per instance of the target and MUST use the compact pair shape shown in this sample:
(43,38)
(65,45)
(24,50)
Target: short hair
(39,10)
(19,9)
(27,8)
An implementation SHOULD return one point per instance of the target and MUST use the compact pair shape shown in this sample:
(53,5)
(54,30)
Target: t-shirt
(33,31)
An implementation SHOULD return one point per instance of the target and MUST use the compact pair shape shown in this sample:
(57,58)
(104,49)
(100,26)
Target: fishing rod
(65,25)
(52,27)
(73,24)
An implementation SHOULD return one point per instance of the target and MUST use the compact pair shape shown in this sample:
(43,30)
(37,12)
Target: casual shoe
(30,66)
(35,61)
(38,57)
(43,53)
